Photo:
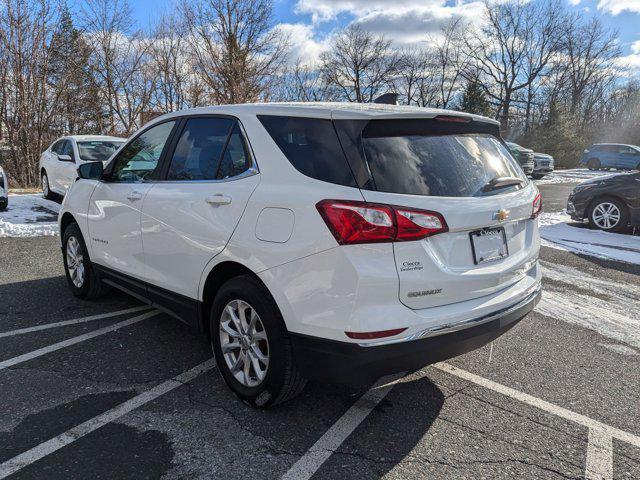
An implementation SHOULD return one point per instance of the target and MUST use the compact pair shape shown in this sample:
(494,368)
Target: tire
(618,219)
(85,285)
(537,176)
(281,379)
(594,164)
(3,205)
(46,189)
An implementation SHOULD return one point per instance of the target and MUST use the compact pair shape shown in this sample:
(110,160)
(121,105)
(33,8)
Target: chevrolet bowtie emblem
(502,215)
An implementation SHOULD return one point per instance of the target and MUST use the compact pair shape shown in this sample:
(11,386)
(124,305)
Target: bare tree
(175,76)
(303,83)
(26,104)
(590,52)
(360,65)
(450,61)
(236,49)
(120,63)
(513,48)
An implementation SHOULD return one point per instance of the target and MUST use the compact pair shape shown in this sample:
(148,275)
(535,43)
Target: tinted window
(97,151)
(57,147)
(236,159)
(455,165)
(66,148)
(312,147)
(140,157)
(197,154)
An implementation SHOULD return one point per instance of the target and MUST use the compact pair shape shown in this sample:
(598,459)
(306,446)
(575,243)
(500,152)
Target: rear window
(441,165)
(312,147)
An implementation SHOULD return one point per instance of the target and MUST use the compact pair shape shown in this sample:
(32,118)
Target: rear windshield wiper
(501,182)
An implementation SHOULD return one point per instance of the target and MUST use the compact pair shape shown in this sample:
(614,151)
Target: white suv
(328,241)
(59,163)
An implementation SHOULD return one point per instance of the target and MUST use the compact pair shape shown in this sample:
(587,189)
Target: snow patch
(29,216)
(621,349)
(556,231)
(573,175)
(598,304)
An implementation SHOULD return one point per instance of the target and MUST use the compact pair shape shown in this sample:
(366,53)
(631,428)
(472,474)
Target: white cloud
(630,64)
(305,47)
(403,21)
(618,6)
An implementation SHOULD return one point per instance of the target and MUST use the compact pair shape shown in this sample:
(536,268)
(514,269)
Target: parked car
(524,156)
(323,241)
(544,165)
(4,190)
(611,155)
(58,163)
(609,203)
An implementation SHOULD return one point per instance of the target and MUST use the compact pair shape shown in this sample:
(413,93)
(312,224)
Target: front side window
(67,149)
(57,147)
(140,158)
(97,151)
(198,152)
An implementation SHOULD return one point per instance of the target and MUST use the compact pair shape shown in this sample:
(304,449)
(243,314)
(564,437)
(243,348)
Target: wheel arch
(219,274)
(66,220)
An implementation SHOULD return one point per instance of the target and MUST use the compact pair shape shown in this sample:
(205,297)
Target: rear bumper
(341,362)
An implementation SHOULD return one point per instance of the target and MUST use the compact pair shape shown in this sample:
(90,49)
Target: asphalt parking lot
(109,389)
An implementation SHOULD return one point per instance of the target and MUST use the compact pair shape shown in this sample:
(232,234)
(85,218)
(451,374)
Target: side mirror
(91,170)
(65,158)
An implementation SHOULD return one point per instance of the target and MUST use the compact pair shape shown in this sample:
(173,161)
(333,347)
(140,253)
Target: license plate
(488,245)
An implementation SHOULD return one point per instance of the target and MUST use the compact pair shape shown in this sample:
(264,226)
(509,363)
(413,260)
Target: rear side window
(312,147)
(411,161)
(197,154)
(236,158)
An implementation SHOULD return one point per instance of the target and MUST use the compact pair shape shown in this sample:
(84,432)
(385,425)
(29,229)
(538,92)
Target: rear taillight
(353,222)
(537,206)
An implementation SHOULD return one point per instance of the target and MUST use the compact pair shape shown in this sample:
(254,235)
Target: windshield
(98,150)
(455,165)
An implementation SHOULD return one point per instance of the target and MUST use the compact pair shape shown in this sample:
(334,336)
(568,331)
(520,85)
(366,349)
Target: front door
(114,209)
(188,218)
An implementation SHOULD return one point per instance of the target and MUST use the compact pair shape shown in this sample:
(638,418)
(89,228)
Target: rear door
(189,217)
(491,240)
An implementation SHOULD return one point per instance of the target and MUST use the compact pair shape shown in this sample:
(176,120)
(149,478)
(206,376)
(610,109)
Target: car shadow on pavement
(391,434)
(32,302)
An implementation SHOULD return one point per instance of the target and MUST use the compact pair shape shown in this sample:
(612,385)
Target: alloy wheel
(244,343)
(45,185)
(606,215)
(75,262)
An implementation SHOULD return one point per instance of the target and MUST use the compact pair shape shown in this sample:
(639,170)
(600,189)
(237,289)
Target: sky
(310,23)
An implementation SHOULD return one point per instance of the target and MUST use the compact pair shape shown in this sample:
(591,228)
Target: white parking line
(40,451)
(590,423)
(72,341)
(311,461)
(599,456)
(74,321)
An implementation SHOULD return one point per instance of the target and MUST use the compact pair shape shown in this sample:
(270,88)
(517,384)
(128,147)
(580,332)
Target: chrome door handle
(134,196)
(218,199)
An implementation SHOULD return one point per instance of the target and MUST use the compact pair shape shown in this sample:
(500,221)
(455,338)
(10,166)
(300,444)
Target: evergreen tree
(77,106)
(474,100)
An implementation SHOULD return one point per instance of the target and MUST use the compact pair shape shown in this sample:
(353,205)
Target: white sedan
(59,162)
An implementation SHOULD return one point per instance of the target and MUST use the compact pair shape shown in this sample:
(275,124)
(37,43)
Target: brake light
(353,222)
(537,206)
(453,119)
